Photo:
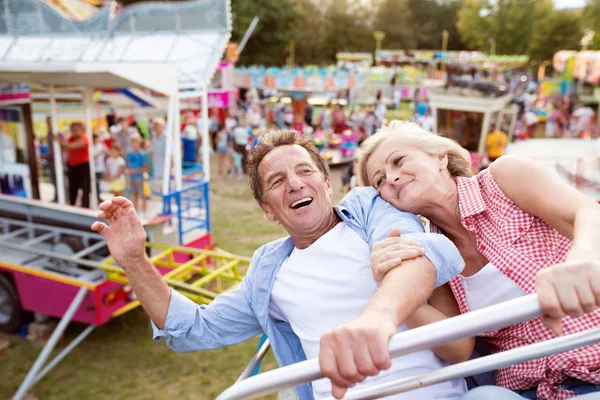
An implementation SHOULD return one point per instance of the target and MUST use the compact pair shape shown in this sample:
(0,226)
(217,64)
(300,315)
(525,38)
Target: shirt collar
(470,201)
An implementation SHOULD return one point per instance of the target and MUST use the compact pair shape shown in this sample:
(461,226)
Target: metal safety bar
(425,337)
(256,360)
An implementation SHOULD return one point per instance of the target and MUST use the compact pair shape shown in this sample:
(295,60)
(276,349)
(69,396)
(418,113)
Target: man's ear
(328,186)
(268,212)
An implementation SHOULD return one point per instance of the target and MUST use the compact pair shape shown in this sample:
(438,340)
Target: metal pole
(485,127)
(425,337)
(478,365)
(247,35)
(62,325)
(63,354)
(177,142)
(58,164)
(169,147)
(88,103)
(260,354)
(205,138)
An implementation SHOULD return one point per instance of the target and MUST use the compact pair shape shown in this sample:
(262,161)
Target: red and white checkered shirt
(519,245)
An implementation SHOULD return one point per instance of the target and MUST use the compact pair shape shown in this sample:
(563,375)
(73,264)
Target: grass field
(120,361)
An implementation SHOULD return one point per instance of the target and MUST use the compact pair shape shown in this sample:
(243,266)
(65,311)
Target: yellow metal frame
(196,278)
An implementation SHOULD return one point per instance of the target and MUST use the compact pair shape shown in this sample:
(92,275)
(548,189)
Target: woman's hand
(573,288)
(390,252)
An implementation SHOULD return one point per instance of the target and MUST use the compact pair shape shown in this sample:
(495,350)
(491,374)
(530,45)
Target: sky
(569,3)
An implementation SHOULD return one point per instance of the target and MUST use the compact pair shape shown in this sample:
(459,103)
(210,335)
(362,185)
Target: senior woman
(509,222)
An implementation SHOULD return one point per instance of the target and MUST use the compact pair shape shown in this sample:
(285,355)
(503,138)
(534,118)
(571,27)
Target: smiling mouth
(304,202)
(402,186)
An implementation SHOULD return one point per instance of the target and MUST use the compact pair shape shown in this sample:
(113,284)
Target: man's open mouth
(301,203)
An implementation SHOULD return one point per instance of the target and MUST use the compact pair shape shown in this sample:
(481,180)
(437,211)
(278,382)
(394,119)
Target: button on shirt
(243,313)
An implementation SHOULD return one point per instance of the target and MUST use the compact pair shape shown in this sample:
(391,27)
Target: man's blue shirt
(243,313)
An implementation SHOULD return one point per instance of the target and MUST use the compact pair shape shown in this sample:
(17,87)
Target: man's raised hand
(125,235)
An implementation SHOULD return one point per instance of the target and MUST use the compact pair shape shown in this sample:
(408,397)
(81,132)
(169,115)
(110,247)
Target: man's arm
(185,325)
(358,349)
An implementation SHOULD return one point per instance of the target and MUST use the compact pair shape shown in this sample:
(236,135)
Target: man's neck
(306,240)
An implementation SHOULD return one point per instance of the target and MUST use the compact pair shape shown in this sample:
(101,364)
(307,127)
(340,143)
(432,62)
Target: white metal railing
(433,335)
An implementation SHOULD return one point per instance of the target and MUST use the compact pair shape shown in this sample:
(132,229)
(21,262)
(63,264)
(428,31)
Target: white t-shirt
(114,164)
(240,135)
(191,132)
(99,155)
(488,287)
(330,283)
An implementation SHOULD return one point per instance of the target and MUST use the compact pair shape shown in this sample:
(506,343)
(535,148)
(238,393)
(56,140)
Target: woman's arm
(442,305)
(539,192)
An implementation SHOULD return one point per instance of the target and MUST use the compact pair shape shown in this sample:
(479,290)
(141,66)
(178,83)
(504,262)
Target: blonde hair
(459,160)
(135,138)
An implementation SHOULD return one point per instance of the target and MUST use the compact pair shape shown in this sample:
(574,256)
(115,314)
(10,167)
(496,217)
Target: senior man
(300,287)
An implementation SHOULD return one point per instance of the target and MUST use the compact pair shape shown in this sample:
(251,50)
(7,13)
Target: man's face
(76,131)
(295,193)
(158,128)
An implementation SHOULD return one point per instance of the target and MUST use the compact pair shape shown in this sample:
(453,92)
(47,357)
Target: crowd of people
(125,162)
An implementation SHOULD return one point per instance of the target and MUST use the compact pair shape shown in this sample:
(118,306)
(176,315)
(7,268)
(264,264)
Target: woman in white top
(99,151)
(115,170)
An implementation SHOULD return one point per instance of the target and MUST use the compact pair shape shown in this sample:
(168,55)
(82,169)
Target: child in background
(236,169)
(137,165)
(99,151)
(115,170)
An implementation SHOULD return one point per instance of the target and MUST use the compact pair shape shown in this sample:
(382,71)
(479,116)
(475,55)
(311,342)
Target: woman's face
(404,175)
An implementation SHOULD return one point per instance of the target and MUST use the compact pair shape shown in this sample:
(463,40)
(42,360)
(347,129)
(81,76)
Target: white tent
(171,48)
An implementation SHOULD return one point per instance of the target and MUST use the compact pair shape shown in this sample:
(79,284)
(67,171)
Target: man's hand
(125,237)
(571,288)
(355,350)
(389,253)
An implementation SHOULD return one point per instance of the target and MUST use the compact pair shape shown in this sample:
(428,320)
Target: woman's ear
(443,161)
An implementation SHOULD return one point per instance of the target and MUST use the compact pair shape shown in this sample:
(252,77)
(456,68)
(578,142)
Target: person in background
(115,170)
(326,118)
(531,120)
(582,120)
(189,140)
(111,118)
(236,169)
(158,150)
(308,115)
(147,149)
(426,121)
(222,144)
(241,135)
(136,167)
(99,152)
(121,134)
(554,122)
(496,143)
(50,155)
(78,161)
(214,128)
(339,119)
(380,111)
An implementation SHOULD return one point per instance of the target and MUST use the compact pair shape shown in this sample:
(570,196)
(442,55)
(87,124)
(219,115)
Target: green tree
(396,19)
(431,18)
(507,23)
(591,20)
(555,30)
(309,46)
(347,27)
(277,27)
